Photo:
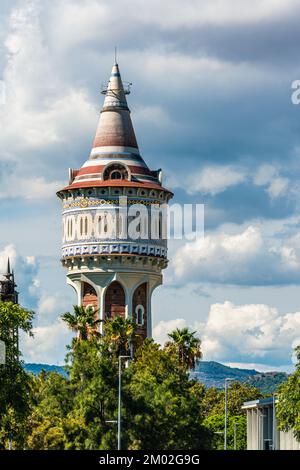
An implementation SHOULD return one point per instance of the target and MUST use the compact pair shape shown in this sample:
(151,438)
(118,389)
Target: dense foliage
(15,382)
(162,406)
(213,407)
(288,406)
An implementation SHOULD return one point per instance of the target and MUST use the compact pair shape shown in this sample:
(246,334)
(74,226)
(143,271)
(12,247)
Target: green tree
(288,406)
(83,321)
(94,378)
(72,412)
(238,393)
(120,335)
(51,424)
(213,409)
(161,404)
(15,382)
(187,347)
(235,424)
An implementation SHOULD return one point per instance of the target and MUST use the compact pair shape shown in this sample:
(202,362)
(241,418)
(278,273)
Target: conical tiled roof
(115,130)
(114,144)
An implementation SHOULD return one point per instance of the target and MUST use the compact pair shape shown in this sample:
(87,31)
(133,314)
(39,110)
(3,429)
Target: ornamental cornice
(85,202)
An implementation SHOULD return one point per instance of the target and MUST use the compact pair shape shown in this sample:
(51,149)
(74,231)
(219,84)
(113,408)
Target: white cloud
(47,345)
(219,257)
(29,188)
(262,367)
(214,179)
(256,253)
(88,16)
(248,336)
(278,187)
(249,332)
(50,307)
(161,330)
(264,174)
(268,176)
(220,78)
(41,111)
(154,115)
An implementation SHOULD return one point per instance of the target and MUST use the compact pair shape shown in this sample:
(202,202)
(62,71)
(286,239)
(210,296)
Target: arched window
(89,298)
(116,171)
(139,312)
(115,301)
(139,308)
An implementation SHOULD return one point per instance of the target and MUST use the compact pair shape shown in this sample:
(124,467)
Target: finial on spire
(116,55)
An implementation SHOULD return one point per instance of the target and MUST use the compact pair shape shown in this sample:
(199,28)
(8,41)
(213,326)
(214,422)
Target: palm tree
(82,321)
(119,333)
(187,347)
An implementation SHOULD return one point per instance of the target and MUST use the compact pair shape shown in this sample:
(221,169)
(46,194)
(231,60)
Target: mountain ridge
(210,373)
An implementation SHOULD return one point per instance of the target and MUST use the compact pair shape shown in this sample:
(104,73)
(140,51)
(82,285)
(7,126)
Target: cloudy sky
(211,104)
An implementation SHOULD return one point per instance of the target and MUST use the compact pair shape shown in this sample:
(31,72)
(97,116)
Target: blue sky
(211,105)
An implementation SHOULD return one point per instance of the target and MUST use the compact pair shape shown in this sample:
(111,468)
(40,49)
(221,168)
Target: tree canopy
(187,347)
(15,382)
(288,406)
(162,407)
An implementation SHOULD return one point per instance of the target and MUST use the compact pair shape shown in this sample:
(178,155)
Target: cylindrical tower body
(114,242)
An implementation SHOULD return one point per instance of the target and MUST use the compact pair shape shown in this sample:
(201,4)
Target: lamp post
(274,424)
(119,400)
(225,424)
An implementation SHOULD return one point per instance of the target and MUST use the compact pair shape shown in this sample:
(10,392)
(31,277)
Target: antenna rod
(115,54)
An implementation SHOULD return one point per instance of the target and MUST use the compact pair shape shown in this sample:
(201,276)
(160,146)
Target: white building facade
(262,432)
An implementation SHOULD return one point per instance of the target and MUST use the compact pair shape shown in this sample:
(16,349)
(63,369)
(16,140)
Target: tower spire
(8,266)
(115,143)
(7,286)
(115,133)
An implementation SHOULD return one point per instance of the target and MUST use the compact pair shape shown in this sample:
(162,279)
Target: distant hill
(267,382)
(213,374)
(210,373)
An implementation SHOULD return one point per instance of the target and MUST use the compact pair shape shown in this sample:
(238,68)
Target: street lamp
(225,424)
(274,424)
(119,401)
